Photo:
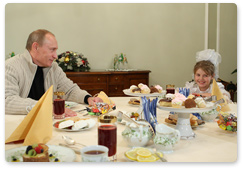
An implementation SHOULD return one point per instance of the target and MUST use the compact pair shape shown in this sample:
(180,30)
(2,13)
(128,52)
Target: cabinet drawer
(116,79)
(89,79)
(116,89)
(93,89)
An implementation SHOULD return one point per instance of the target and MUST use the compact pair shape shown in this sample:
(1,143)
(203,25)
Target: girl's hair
(206,66)
(37,36)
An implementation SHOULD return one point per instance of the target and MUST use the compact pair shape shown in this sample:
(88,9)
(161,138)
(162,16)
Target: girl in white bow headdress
(205,70)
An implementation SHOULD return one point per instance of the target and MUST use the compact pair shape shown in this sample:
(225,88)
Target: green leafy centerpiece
(72,61)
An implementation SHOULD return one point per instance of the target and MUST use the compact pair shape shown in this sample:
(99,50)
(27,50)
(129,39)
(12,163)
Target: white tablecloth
(211,143)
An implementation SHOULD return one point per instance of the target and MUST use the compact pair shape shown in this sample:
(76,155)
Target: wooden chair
(230,87)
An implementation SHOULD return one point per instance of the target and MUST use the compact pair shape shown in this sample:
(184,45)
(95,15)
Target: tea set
(164,139)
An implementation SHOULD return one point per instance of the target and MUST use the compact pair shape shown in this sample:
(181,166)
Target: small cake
(36,153)
(153,89)
(181,97)
(190,103)
(165,102)
(144,88)
(176,103)
(159,88)
(193,120)
(170,96)
(134,101)
(132,87)
(200,102)
(191,96)
(135,89)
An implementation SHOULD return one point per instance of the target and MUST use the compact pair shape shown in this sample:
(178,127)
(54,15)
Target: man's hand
(93,100)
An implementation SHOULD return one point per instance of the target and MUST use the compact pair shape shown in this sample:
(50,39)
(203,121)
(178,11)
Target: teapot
(165,138)
(137,135)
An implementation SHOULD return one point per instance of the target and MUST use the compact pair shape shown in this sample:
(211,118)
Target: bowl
(137,136)
(209,116)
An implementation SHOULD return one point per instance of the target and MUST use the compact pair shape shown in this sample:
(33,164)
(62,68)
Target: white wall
(163,38)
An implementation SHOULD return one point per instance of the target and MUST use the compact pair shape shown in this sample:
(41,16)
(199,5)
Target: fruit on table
(146,159)
(142,154)
(134,115)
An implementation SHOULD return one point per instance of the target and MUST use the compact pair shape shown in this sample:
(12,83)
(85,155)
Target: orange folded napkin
(105,98)
(37,125)
(216,91)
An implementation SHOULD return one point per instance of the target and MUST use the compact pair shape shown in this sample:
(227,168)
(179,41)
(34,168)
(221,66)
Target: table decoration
(150,113)
(120,62)
(37,125)
(72,61)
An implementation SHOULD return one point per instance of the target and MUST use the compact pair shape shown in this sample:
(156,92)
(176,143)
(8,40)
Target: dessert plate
(69,104)
(91,123)
(64,154)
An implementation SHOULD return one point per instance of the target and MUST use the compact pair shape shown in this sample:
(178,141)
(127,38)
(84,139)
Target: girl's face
(202,79)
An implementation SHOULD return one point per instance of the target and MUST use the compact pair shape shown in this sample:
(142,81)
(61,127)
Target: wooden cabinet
(111,82)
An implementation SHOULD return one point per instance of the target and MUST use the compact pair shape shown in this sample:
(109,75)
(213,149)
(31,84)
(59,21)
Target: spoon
(70,141)
(211,98)
(121,116)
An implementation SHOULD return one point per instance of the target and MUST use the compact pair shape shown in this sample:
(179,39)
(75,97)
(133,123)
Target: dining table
(210,144)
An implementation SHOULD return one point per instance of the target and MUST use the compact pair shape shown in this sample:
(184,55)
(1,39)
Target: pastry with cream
(200,102)
(144,88)
(156,89)
(176,103)
(170,96)
(165,102)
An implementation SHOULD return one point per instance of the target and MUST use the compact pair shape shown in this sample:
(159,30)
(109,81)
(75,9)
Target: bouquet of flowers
(71,61)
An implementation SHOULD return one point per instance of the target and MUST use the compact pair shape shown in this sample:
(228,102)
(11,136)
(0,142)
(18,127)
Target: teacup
(94,153)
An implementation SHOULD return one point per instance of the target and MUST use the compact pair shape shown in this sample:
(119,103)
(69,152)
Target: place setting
(147,136)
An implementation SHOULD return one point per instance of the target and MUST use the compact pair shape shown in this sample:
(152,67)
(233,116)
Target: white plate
(127,92)
(69,104)
(91,124)
(64,154)
(135,105)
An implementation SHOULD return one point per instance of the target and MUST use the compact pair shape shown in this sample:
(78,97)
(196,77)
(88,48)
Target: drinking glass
(170,89)
(107,134)
(59,105)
